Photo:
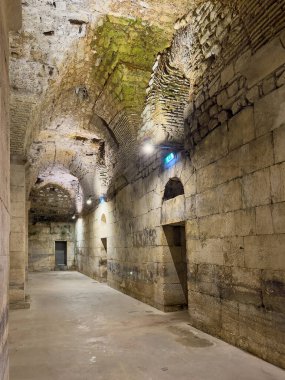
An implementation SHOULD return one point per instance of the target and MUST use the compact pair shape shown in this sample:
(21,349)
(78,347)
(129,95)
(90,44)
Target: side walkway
(78,329)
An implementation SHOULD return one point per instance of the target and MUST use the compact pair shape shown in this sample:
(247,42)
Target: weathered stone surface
(173,210)
(266,60)
(91,89)
(42,238)
(241,128)
(265,252)
(277,180)
(264,220)
(269,112)
(279,144)
(256,188)
(18,241)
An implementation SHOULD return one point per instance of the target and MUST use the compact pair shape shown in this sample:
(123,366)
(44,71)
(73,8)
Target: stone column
(10,19)
(18,245)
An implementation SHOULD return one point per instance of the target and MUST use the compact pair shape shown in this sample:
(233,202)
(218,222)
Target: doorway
(103,260)
(176,294)
(61,254)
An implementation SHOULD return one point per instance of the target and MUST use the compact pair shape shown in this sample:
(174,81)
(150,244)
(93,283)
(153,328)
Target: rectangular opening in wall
(60,254)
(103,260)
(104,242)
(176,286)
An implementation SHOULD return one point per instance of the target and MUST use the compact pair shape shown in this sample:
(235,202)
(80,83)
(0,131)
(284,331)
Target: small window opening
(173,189)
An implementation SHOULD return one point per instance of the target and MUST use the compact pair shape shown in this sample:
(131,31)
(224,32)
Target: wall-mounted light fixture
(102,199)
(74,217)
(89,201)
(171,152)
(148,147)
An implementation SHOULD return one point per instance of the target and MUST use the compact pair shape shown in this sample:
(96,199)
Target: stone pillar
(10,19)
(28,206)
(18,238)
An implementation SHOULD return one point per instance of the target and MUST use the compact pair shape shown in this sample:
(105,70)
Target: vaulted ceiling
(92,79)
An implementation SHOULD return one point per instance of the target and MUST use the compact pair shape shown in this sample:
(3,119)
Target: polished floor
(78,329)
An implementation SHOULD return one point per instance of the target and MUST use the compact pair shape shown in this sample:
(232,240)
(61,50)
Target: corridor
(79,329)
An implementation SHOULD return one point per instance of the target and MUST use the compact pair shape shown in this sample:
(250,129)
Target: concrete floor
(78,329)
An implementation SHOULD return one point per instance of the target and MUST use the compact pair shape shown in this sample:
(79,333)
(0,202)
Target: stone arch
(103,219)
(52,202)
(173,189)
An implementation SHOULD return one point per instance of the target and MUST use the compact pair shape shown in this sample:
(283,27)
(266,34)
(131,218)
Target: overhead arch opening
(173,189)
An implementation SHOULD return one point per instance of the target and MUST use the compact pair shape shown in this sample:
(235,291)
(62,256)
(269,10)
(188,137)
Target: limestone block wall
(4,193)
(18,242)
(7,22)
(42,238)
(233,211)
(93,239)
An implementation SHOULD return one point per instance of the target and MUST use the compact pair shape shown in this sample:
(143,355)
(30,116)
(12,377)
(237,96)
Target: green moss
(127,49)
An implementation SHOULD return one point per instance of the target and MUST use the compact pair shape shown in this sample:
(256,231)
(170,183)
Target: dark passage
(60,253)
(176,275)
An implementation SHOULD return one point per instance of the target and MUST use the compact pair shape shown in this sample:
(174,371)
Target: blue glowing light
(170,157)
(102,200)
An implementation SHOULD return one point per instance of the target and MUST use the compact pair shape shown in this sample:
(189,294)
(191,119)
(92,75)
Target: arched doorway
(173,221)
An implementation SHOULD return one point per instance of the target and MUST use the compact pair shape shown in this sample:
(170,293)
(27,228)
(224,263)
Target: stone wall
(7,9)
(42,238)
(233,211)
(93,235)
(4,195)
(18,243)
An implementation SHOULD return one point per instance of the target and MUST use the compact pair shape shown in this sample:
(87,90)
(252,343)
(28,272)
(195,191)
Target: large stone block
(278,216)
(241,128)
(173,210)
(277,181)
(205,312)
(192,229)
(237,223)
(212,148)
(256,189)
(229,320)
(256,155)
(269,112)
(17,241)
(18,210)
(273,290)
(234,251)
(207,203)
(227,197)
(279,144)
(230,196)
(210,251)
(262,63)
(265,252)
(190,208)
(247,278)
(264,220)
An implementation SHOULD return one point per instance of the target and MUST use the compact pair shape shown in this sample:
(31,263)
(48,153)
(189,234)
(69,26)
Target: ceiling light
(148,147)
(89,201)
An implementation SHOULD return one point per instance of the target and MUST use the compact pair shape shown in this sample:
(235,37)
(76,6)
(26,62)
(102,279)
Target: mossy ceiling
(125,51)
